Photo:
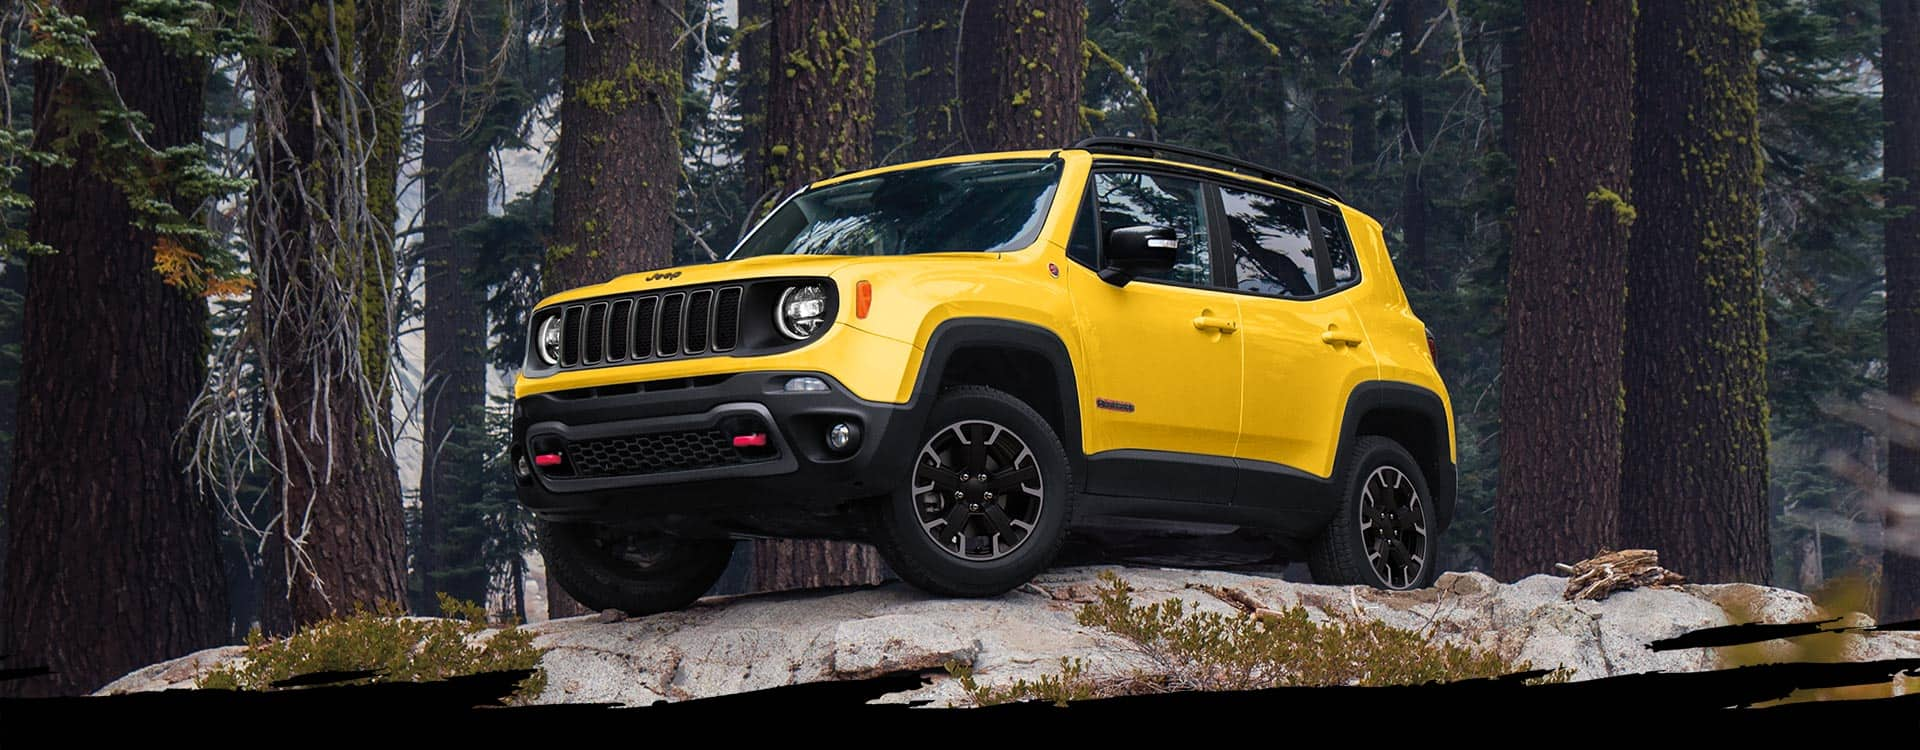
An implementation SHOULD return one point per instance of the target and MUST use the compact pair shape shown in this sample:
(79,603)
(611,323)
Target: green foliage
(1195,650)
(169,189)
(397,648)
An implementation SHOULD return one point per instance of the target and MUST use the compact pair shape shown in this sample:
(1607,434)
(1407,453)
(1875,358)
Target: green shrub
(1190,650)
(384,641)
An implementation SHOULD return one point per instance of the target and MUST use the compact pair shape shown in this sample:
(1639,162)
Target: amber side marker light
(862,299)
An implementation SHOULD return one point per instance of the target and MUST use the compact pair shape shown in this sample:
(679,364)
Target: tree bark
(1024,89)
(455,164)
(1560,370)
(321,300)
(1900,91)
(618,159)
(756,29)
(892,124)
(1695,433)
(932,91)
(820,90)
(1362,130)
(113,559)
(819,121)
(1413,142)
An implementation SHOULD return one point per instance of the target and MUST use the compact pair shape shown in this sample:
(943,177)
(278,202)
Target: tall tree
(112,558)
(618,159)
(1413,139)
(455,163)
(819,122)
(1695,431)
(932,90)
(325,155)
(892,123)
(1560,364)
(1900,84)
(1025,89)
(755,39)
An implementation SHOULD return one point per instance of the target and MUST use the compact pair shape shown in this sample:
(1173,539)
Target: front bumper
(771,489)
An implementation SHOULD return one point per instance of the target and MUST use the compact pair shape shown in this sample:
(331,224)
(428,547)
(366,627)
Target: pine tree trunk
(819,122)
(323,281)
(756,29)
(1333,130)
(1694,440)
(1900,91)
(932,90)
(1362,131)
(1560,364)
(455,171)
(1413,143)
(618,159)
(892,127)
(820,90)
(113,556)
(1023,87)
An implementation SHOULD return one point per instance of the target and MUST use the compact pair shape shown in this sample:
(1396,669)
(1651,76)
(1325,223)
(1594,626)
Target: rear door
(1305,349)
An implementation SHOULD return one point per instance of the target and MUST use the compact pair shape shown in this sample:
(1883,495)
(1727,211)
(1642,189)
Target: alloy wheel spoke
(942,479)
(956,519)
(1011,478)
(997,519)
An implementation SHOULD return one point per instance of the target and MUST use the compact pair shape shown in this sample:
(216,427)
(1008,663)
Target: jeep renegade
(961,359)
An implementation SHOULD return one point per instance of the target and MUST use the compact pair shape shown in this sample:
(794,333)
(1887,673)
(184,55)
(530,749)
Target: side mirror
(1137,251)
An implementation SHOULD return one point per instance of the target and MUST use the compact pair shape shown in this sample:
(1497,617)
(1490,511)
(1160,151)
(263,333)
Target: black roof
(1139,147)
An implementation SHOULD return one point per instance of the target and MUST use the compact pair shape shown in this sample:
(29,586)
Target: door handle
(1211,323)
(1334,336)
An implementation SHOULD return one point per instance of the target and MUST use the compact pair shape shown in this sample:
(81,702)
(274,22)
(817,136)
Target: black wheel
(1383,536)
(638,573)
(986,503)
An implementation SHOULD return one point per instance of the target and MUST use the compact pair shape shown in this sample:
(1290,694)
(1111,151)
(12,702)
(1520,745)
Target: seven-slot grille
(650,326)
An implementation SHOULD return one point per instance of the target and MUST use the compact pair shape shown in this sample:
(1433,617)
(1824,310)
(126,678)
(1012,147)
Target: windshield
(988,206)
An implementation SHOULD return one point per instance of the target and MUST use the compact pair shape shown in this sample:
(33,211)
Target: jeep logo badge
(664,275)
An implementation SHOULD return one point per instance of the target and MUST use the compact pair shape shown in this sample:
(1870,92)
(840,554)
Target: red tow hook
(750,440)
(547,459)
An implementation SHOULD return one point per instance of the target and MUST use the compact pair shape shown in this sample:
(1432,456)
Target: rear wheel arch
(1412,416)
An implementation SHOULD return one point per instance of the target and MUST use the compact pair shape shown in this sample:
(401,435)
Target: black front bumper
(793,484)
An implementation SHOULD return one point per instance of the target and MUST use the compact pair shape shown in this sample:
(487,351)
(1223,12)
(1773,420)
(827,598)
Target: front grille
(650,326)
(652,454)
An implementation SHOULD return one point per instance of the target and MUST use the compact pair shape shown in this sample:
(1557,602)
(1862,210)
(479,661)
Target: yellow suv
(961,359)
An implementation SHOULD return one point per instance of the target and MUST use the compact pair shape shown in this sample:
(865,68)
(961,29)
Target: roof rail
(1138,147)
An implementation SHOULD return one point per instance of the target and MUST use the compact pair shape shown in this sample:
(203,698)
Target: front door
(1164,413)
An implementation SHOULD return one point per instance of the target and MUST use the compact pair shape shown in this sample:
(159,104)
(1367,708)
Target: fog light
(842,437)
(520,467)
(806,385)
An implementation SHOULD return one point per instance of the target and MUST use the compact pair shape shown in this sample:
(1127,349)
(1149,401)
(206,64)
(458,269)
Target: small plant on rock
(1260,648)
(394,647)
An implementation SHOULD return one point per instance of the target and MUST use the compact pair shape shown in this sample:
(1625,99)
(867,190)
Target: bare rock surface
(726,645)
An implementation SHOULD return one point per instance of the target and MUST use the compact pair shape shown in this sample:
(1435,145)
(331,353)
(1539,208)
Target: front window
(989,206)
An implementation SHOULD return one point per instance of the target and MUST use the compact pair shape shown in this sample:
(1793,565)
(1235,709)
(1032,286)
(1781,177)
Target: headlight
(801,311)
(549,344)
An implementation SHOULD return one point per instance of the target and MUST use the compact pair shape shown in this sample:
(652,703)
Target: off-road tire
(685,569)
(1339,556)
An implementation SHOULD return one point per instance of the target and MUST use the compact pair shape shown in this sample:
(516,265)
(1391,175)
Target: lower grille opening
(658,452)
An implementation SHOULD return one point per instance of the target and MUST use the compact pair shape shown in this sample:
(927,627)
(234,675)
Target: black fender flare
(1386,395)
(956,334)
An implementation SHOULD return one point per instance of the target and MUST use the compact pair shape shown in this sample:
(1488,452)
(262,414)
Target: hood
(749,268)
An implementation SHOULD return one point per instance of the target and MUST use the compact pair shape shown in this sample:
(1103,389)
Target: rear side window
(1272,242)
(1339,248)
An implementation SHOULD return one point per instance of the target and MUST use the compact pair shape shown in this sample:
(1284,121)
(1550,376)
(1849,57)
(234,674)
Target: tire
(993,555)
(1380,475)
(657,573)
